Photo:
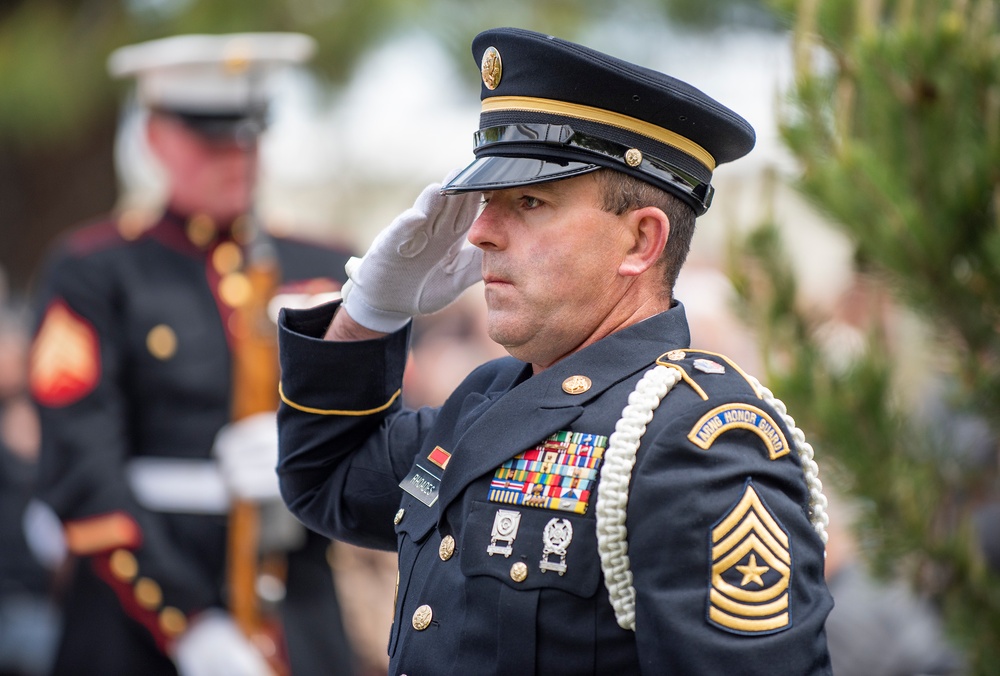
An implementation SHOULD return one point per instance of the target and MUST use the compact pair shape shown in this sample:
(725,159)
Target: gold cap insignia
(492,68)
(576,384)
(633,157)
(751,569)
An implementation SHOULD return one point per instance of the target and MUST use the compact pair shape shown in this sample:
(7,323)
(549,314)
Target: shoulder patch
(751,567)
(65,363)
(739,416)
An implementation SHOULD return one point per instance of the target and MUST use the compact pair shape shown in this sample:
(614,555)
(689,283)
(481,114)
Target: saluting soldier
(147,441)
(607,499)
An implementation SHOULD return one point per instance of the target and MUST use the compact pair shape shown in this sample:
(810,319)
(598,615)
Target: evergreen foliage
(895,120)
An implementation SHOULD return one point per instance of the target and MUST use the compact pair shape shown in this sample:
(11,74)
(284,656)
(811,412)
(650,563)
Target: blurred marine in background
(154,370)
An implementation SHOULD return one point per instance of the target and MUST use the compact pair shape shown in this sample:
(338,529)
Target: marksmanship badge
(556,537)
(505,525)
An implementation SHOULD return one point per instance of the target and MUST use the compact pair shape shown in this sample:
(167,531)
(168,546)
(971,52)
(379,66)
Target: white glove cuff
(374,319)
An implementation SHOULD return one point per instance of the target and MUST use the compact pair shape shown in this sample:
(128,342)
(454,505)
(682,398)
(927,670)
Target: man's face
(206,175)
(551,267)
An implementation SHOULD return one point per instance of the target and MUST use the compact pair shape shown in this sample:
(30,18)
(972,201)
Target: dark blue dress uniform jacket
(142,573)
(346,443)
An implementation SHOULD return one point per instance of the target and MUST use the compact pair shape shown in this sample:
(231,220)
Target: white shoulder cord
(616,472)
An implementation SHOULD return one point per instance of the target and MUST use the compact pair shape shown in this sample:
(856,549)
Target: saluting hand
(418,265)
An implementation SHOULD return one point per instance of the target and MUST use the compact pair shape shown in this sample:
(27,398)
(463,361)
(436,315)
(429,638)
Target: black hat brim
(496,172)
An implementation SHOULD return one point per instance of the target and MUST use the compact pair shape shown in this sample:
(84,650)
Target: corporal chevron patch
(750,571)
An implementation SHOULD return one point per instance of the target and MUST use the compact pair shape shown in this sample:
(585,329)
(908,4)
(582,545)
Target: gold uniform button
(576,384)
(422,617)
(201,230)
(172,621)
(447,547)
(227,258)
(123,565)
(148,593)
(399,516)
(633,157)
(519,571)
(676,355)
(235,289)
(161,341)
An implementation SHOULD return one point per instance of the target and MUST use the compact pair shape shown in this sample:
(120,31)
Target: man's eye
(530,202)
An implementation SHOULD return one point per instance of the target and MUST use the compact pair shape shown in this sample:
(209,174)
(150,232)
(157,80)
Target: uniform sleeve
(728,571)
(77,367)
(345,442)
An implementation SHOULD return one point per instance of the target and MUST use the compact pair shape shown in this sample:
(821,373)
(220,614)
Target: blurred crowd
(29,619)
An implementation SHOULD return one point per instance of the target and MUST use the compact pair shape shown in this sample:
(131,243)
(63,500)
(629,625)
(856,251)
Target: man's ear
(650,229)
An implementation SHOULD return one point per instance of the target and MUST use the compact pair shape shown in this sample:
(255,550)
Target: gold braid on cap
(591,114)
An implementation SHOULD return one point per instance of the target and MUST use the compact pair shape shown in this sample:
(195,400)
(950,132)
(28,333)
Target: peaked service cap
(552,109)
(212,82)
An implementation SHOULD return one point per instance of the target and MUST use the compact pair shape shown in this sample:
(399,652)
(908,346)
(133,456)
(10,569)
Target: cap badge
(576,384)
(492,68)
(633,157)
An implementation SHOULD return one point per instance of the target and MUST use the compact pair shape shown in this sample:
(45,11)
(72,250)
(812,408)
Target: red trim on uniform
(150,619)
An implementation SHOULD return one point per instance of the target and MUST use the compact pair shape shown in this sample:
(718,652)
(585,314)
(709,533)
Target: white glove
(214,646)
(418,265)
(247,451)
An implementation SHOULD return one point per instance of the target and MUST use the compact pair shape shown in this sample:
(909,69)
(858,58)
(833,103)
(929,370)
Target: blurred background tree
(894,118)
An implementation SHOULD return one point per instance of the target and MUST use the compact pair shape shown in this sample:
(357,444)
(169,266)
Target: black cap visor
(240,127)
(495,172)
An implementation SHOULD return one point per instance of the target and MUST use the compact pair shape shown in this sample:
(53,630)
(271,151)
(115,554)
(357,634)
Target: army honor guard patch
(750,570)
(558,473)
(739,416)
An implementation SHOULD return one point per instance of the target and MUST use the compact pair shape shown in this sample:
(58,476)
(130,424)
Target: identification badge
(424,480)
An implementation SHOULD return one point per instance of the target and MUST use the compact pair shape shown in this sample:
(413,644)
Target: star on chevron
(752,572)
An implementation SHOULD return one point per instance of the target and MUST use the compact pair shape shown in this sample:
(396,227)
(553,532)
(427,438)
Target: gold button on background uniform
(519,571)
(161,341)
(235,289)
(201,230)
(399,516)
(148,593)
(447,547)
(227,258)
(422,617)
(123,565)
(172,621)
